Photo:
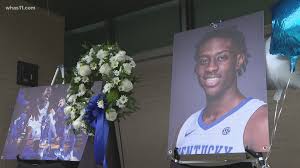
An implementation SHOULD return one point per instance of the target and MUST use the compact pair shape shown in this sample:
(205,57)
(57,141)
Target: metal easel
(62,71)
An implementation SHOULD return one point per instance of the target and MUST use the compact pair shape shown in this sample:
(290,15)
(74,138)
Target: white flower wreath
(111,65)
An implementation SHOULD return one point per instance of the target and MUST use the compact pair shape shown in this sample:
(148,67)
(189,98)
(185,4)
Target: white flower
(77,79)
(68,110)
(81,90)
(79,94)
(72,115)
(72,98)
(120,56)
(101,62)
(126,85)
(113,59)
(128,58)
(78,65)
(77,123)
(123,99)
(91,51)
(88,58)
(93,66)
(111,114)
(119,104)
(122,53)
(101,54)
(107,87)
(114,64)
(105,69)
(100,104)
(116,80)
(85,79)
(84,70)
(132,64)
(116,72)
(127,68)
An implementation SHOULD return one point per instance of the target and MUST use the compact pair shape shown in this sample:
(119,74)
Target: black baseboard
(235,165)
(46,164)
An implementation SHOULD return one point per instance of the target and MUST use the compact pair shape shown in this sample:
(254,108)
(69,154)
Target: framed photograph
(219,93)
(38,129)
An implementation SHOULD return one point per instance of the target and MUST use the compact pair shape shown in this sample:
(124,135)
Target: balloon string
(276,110)
(273,133)
(276,119)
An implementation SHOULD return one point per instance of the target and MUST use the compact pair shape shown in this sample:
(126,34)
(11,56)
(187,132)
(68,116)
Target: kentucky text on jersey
(224,135)
(204,149)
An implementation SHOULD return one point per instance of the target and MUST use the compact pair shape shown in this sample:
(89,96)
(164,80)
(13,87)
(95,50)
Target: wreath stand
(112,152)
(250,159)
(112,155)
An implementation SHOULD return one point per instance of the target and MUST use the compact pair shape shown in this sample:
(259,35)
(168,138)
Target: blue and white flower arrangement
(109,64)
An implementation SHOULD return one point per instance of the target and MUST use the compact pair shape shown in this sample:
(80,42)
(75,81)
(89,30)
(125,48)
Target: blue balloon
(286,30)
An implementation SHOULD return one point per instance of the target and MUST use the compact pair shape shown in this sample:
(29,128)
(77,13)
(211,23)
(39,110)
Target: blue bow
(95,116)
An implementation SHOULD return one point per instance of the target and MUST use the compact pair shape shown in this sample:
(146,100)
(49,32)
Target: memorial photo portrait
(219,93)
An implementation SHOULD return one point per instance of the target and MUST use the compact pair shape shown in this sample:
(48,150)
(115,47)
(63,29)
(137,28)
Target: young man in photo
(230,121)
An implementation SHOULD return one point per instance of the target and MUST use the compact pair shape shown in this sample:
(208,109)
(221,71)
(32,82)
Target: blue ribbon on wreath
(95,116)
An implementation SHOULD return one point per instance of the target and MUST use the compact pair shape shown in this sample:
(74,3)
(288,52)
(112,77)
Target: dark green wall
(207,11)
(154,27)
(148,29)
(75,40)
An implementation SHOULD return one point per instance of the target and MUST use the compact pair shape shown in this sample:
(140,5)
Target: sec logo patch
(226,131)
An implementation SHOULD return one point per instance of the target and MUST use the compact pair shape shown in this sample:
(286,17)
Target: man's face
(61,103)
(217,64)
(47,92)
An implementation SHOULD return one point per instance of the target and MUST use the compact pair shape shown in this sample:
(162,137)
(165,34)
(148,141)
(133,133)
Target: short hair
(237,39)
